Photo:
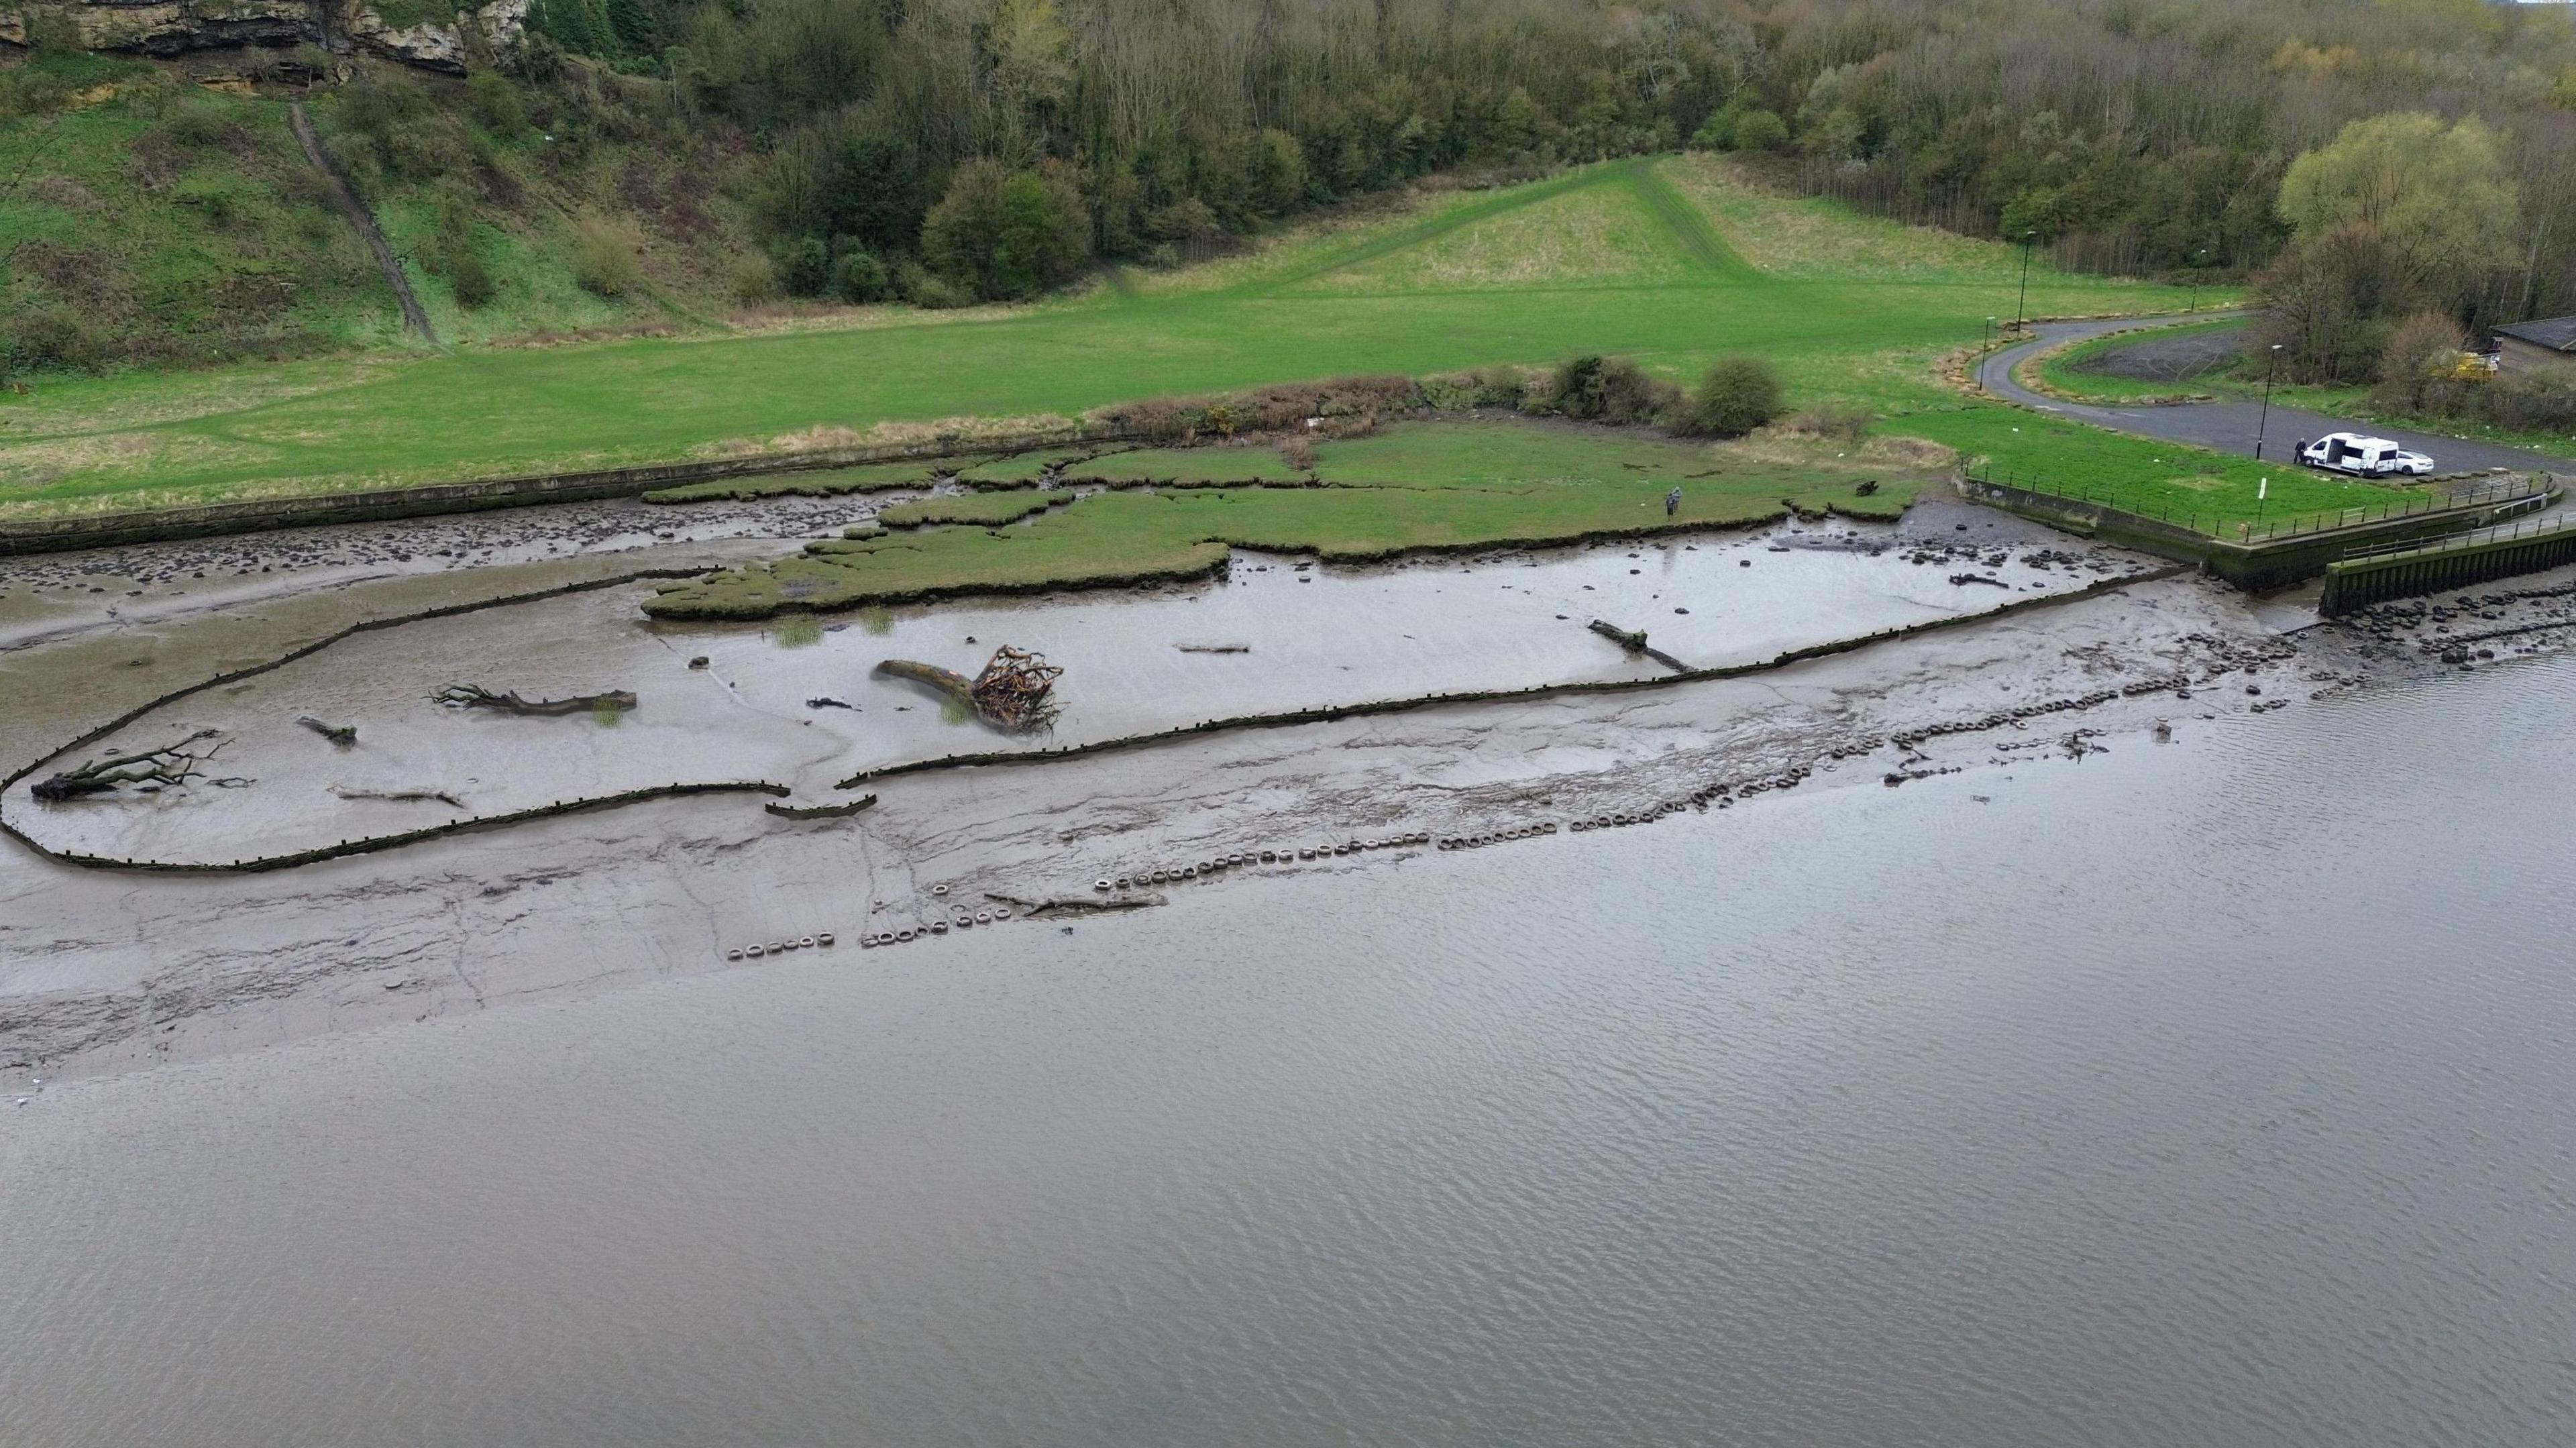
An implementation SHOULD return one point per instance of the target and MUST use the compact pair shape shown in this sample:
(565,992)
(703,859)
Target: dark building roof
(2558,334)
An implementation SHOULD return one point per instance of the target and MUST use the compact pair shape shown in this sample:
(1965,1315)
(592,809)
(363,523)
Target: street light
(2265,424)
(2199,259)
(2021,308)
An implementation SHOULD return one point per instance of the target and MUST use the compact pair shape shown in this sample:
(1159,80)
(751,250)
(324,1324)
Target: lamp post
(2264,425)
(2021,309)
(2199,260)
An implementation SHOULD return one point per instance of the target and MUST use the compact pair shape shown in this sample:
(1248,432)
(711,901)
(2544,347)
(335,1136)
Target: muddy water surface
(2162,1098)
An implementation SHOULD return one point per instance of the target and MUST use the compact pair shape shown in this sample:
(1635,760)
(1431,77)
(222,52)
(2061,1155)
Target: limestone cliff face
(172,27)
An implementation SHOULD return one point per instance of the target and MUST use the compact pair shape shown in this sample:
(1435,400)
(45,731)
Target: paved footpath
(2230,426)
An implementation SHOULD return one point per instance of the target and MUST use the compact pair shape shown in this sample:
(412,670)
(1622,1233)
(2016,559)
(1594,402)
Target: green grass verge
(1573,485)
(2069,372)
(979,509)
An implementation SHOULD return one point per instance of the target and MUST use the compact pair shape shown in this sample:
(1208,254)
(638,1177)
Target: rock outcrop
(432,36)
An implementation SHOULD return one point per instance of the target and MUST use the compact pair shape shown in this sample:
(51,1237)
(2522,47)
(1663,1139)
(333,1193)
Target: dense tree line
(2128,135)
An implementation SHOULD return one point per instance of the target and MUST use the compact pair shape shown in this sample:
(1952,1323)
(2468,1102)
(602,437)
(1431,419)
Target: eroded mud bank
(104,972)
(798,702)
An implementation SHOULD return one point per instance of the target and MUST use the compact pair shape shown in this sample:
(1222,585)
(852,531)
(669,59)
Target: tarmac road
(2230,426)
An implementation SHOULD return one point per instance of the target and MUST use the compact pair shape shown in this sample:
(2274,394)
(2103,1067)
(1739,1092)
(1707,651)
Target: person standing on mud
(1673,501)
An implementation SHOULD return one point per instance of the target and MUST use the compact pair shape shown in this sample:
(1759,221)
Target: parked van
(2363,457)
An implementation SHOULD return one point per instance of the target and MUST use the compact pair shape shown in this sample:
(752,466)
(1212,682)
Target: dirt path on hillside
(360,217)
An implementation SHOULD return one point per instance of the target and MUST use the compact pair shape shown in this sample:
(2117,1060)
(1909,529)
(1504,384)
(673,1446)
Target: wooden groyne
(2371,575)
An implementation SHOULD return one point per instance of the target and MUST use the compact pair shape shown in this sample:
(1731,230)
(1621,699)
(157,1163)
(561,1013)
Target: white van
(2363,457)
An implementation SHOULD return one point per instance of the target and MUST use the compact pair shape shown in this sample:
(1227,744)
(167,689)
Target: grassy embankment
(181,225)
(1673,261)
(1414,486)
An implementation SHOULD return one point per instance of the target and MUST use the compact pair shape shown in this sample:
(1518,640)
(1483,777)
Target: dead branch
(475,696)
(343,735)
(173,764)
(1214,648)
(400,796)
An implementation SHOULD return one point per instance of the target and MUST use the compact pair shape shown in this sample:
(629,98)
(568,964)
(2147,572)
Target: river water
(2216,1092)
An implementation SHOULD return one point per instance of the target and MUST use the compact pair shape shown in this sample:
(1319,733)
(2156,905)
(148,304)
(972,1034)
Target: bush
(1834,420)
(804,265)
(1004,234)
(496,104)
(928,290)
(468,277)
(857,276)
(603,257)
(54,336)
(755,279)
(1609,389)
(2424,349)
(1738,395)
(1760,131)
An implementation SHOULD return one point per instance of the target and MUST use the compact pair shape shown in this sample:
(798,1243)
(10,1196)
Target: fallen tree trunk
(1014,693)
(343,735)
(475,696)
(1634,641)
(173,764)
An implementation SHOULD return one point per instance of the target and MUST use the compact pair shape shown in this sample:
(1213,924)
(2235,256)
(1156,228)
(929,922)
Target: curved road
(2229,426)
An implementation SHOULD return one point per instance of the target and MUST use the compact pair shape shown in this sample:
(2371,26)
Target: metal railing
(2526,531)
(2505,492)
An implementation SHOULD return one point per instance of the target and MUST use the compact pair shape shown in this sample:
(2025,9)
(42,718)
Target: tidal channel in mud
(2210,1092)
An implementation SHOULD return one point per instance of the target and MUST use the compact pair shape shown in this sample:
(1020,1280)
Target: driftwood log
(400,796)
(343,735)
(1015,693)
(475,696)
(1634,641)
(819,811)
(173,764)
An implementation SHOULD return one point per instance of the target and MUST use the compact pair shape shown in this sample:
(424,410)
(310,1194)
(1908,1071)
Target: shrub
(55,336)
(2422,350)
(804,265)
(496,103)
(603,257)
(1738,395)
(1609,389)
(1004,234)
(1834,420)
(755,279)
(470,279)
(928,290)
(1760,131)
(857,276)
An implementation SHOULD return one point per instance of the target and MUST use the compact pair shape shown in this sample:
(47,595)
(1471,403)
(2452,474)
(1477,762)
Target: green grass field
(1853,310)
(1413,487)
